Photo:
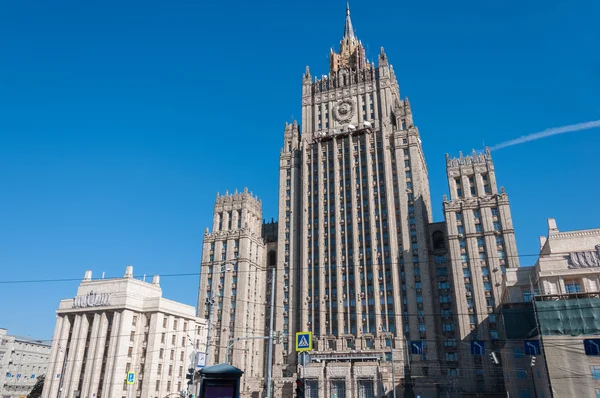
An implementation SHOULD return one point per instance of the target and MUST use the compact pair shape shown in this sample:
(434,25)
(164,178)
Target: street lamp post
(62,372)
(194,364)
(270,350)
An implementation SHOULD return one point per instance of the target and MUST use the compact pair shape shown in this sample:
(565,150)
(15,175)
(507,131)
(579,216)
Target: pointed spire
(348,30)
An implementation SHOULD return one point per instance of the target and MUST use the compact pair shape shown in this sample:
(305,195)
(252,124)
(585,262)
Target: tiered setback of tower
(359,261)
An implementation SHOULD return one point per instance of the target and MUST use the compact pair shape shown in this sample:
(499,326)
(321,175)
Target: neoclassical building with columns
(115,326)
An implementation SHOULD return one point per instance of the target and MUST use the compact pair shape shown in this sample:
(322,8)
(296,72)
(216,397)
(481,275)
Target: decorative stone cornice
(475,202)
(585,259)
(575,234)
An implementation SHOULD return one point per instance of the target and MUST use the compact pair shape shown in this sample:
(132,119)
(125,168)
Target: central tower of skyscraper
(354,207)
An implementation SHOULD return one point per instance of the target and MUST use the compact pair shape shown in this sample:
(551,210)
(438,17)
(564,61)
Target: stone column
(71,358)
(112,352)
(92,355)
(61,334)
(98,355)
(78,355)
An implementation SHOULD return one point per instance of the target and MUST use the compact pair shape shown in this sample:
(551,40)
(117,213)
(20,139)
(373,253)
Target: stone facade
(481,242)
(233,284)
(568,268)
(114,326)
(354,208)
(22,361)
(359,261)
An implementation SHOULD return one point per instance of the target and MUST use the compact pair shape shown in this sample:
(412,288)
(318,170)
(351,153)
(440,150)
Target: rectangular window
(596,372)
(157,386)
(572,287)
(524,393)
(338,388)
(521,373)
(366,389)
(518,352)
(451,356)
(450,342)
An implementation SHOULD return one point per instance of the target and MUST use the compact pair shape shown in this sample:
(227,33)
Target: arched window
(438,240)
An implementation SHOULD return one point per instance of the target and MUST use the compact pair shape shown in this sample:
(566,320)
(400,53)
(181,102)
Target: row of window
(472,187)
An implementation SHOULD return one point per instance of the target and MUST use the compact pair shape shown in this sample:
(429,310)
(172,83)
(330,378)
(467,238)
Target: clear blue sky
(119,121)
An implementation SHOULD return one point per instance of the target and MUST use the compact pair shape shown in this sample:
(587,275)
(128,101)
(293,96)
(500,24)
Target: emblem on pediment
(344,110)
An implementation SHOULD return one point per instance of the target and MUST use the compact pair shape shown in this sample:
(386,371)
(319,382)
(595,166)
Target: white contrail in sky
(547,133)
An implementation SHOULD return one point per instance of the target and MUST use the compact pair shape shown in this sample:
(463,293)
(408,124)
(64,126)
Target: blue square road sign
(532,347)
(304,341)
(477,347)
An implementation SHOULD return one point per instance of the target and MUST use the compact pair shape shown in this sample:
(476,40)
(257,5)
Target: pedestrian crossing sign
(304,341)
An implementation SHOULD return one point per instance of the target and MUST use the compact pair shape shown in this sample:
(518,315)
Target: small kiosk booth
(220,381)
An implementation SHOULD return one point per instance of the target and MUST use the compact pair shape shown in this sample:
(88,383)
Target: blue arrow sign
(32,377)
(416,347)
(477,347)
(591,346)
(532,347)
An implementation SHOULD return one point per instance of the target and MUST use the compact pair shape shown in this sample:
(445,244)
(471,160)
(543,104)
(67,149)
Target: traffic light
(190,376)
(494,358)
(532,361)
(299,388)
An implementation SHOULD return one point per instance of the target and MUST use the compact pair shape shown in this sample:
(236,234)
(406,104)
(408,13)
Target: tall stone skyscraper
(354,208)
(232,279)
(393,299)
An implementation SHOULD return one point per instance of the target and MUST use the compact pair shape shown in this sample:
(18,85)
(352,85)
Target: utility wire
(256,270)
